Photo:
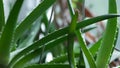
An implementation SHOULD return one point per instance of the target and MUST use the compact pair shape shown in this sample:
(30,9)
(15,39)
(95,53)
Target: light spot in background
(118,41)
(116,54)
(49,13)
(49,57)
(57,9)
(59,21)
(37,2)
(41,36)
(43,27)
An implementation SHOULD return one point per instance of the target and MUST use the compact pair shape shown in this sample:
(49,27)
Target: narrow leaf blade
(95,47)
(2,20)
(57,34)
(107,44)
(49,66)
(84,48)
(7,34)
(21,62)
(32,17)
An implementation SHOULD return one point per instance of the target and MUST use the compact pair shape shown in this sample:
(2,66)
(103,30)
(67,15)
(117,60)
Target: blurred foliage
(65,28)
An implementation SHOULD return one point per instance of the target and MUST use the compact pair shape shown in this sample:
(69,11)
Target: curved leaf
(49,66)
(84,48)
(95,47)
(107,44)
(62,58)
(2,20)
(58,34)
(7,34)
(27,22)
(21,62)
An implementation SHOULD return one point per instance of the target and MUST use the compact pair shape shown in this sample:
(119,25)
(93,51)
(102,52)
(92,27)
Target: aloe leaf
(2,20)
(59,59)
(36,45)
(20,62)
(62,58)
(93,20)
(39,10)
(29,40)
(49,66)
(87,29)
(58,34)
(107,44)
(7,34)
(95,47)
(70,7)
(26,60)
(84,48)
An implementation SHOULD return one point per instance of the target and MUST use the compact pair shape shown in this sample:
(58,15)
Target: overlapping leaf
(57,34)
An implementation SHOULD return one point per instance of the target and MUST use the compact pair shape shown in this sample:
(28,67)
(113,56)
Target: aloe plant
(20,46)
(107,44)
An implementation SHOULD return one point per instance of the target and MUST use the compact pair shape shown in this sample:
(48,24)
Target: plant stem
(70,41)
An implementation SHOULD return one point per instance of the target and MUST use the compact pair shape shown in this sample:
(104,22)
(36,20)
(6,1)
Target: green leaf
(70,7)
(2,20)
(62,58)
(57,34)
(59,59)
(107,44)
(95,47)
(49,66)
(7,34)
(29,40)
(27,22)
(84,48)
(26,60)
(87,29)
(93,20)
(21,62)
